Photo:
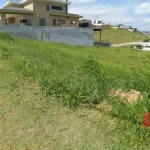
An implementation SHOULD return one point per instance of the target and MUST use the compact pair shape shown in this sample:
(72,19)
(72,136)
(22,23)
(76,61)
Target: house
(121,26)
(96,22)
(99,24)
(38,13)
(142,46)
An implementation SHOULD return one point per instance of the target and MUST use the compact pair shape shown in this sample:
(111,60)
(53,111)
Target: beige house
(38,13)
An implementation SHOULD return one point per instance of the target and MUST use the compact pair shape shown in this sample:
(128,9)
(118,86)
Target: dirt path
(123,44)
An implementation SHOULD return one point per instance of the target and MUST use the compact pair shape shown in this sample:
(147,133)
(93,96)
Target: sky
(135,13)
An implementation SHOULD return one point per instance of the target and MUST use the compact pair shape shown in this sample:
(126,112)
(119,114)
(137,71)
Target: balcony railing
(63,1)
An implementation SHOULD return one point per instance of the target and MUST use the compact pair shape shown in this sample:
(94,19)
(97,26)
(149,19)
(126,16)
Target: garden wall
(66,35)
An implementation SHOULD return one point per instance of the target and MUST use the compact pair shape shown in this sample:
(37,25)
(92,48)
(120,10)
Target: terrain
(57,96)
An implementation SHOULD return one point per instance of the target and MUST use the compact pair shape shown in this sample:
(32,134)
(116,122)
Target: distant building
(142,46)
(84,23)
(97,22)
(121,26)
(93,23)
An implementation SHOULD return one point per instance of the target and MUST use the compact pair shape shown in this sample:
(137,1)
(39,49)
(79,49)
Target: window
(47,7)
(42,22)
(99,22)
(72,22)
(61,21)
(25,21)
(66,9)
(57,7)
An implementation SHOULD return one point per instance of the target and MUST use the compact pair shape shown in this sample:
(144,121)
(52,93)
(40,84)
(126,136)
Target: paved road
(123,44)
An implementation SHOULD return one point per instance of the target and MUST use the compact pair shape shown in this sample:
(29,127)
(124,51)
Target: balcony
(61,1)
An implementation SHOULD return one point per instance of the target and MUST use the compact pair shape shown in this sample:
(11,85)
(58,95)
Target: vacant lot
(55,96)
(117,36)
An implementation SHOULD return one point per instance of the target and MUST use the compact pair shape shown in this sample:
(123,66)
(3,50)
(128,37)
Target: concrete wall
(66,35)
(105,27)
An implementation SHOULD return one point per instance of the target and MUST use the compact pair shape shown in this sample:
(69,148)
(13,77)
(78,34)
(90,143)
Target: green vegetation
(117,36)
(56,96)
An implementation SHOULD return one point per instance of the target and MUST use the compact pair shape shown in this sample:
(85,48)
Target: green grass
(117,36)
(29,120)
(49,93)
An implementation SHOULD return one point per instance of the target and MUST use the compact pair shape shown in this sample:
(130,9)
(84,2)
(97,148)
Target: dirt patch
(103,107)
(130,97)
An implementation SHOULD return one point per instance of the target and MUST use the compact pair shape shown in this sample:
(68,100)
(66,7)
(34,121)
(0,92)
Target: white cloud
(87,10)
(124,13)
(146,20)
(144,8)
(106,13)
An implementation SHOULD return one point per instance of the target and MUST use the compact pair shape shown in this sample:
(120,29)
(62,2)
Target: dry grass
(117,36)
(130,97)
(31,121)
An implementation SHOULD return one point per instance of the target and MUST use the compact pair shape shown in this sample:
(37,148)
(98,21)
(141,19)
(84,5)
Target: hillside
(56,96)
(117,36)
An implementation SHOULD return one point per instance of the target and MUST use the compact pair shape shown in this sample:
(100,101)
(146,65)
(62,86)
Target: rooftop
(16,10)
(21,2)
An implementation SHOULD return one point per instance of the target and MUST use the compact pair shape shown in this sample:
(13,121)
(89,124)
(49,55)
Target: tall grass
(97,77)
(129,114)
(6,37)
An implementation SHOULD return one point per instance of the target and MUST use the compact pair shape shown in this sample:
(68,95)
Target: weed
(97,79)
(6,36)
(5,52)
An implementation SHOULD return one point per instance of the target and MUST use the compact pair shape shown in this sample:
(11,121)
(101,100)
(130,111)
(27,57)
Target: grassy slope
(117,36)
(30,120)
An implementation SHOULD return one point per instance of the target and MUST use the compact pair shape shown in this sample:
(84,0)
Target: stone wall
(66,35)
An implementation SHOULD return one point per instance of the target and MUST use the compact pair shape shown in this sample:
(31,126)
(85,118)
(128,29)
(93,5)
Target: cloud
(146,20)
(144,8)
(106,13)
(112,12)
(87,10)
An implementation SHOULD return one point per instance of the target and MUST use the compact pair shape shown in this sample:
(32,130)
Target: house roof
(22,2)
(16,10)
(15,2)
(66,15)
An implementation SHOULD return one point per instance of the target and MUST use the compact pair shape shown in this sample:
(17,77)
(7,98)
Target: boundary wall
(66,35)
